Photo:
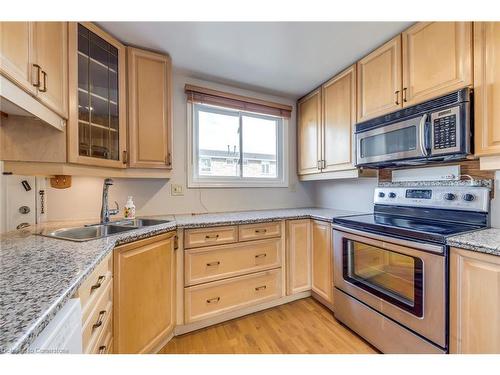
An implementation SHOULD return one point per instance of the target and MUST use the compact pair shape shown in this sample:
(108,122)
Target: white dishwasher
(63,334)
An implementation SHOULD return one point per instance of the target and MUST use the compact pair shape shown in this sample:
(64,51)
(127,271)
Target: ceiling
(283,58)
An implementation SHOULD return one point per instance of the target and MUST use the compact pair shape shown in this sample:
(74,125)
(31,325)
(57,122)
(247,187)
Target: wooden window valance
(196,94)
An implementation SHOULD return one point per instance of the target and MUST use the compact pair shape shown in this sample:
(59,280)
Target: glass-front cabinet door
(97,130)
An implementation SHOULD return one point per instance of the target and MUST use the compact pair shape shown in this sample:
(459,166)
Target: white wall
(83,199)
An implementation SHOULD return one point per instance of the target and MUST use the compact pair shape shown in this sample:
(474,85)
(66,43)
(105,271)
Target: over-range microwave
(433,131)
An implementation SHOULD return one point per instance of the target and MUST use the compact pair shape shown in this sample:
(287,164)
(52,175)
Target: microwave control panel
(446,130)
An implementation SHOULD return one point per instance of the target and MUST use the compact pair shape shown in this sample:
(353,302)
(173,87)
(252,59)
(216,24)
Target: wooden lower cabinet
(298,256)
(322,260)
(474,302)
(144,294)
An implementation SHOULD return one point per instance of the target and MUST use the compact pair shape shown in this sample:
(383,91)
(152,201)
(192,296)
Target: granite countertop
(39,274)
(483,241)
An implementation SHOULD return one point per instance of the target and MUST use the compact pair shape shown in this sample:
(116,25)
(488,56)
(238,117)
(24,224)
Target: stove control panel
(470,198)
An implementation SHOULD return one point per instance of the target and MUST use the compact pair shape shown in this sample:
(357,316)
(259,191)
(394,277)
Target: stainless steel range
(391,267)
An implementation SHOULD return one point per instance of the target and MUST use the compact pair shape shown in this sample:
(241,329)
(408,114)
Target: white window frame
(197,181)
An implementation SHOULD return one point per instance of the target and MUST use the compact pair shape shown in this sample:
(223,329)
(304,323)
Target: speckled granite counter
(39,274)
(483,241)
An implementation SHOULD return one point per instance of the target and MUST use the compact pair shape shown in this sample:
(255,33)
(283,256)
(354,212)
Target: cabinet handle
(263,255)
(209,237)
(397,97)
(259,288)
(102,349)
(99,319)
(44,74)
(260,230)
(168,159)
(404,94)
(213,264)
(213,300)
(319,164)
(98,284)
(38,71)
(125,156)
(323,164)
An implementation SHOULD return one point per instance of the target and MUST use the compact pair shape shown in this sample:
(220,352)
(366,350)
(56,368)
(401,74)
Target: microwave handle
(424,149)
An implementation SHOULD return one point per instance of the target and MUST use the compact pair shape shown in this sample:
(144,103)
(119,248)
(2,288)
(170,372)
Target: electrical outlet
(176,189)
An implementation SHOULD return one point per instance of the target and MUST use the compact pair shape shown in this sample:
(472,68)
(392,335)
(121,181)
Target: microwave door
(407,139)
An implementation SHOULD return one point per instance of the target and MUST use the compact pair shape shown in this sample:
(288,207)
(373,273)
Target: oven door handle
(422,127)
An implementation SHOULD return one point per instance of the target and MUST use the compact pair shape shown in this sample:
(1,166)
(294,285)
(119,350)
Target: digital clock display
(419,193)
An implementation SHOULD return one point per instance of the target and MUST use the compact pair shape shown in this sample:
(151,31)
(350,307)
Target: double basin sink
(95,231)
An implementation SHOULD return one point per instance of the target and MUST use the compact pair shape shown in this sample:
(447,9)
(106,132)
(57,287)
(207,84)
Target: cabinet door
(474,302)
(339,115)
(144,294)
(16,40)
(437,59)
(486,88)
(379,81)
(298,244)
(150,109)
(322,260)
(97,128)
(309,133)
(50,43)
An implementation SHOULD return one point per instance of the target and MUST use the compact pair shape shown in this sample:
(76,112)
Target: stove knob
(381,194)
(449,196)
(469,197)
(392,195)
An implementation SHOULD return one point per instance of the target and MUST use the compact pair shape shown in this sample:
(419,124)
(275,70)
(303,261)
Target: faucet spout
(105,210)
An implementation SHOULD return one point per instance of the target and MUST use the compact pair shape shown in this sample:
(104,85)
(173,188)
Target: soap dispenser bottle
(129,210)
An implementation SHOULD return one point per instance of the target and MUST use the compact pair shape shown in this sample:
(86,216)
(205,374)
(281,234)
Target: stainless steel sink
(140,222)
(87,233)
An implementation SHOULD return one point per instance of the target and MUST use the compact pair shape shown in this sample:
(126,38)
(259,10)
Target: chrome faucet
(106,212)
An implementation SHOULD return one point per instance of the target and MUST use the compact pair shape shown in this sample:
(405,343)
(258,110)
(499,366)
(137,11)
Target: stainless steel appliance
(391,267)
(437,130)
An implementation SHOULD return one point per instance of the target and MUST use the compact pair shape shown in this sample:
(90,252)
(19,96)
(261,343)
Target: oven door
(403,280)
(407,139)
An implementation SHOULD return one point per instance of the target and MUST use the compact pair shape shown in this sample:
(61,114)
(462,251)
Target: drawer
(207,300)
(210,236)
(101,312)
(220,262)
(92,287)
(261,230)
(103,344)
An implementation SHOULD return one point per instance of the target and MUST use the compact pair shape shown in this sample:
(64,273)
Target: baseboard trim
(186,328)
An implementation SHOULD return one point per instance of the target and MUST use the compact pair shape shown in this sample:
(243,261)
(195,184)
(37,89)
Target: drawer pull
(213,300)
(99,319)
(213,264)
(209,237)
(259,288)
(102,349)
(260,230)
(261,255)
(98,284)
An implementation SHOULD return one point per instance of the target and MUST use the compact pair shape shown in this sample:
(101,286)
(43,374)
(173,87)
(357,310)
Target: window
(235,148)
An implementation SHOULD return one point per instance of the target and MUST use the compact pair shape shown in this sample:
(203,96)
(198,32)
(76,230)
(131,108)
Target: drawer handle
(259,288)
(102,349)
(261,255)
(98,284)
(99,319)
(209,237)
(213,264)
(260,230)
(213,300)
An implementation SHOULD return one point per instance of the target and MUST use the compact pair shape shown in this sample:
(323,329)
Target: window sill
(237,184)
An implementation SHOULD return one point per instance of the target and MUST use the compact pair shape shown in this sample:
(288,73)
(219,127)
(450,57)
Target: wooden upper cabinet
(50,41)
(144,294)
(97,126)
(309,133)
(437,59)
(322,260)
(474,302)
(16,39)
(339,116)
(150,109)
(486,88)
(298,249)
(379,81)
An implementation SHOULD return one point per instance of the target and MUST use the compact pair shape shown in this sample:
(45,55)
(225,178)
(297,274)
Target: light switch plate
(176,189)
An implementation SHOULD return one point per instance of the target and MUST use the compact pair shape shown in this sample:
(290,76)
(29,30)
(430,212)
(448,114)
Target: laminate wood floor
(301,327)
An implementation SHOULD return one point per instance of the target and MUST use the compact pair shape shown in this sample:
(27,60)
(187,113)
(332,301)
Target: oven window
(401,140)
(392,276)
